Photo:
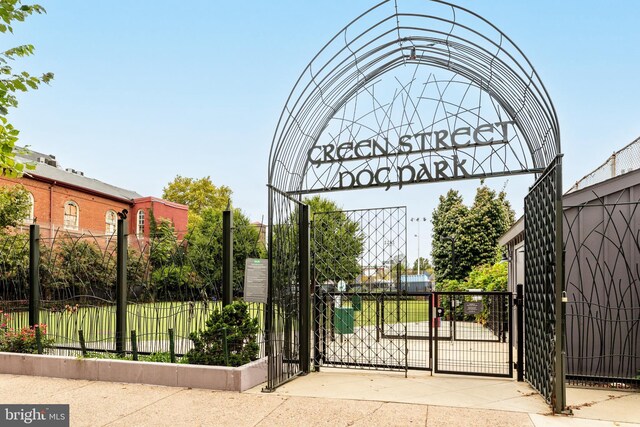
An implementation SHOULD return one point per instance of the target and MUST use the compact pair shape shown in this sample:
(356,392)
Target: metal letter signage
(256,274)
(410,93)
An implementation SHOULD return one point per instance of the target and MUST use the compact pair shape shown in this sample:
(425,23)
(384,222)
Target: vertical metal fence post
(268,310)
(398,290)
(121,286)
(305,282)
(34,275)
(560,308)
(520,330)
(508,325)
(317,307)
(227,257)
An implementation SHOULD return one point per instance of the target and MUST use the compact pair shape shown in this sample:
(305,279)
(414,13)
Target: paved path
(297,404)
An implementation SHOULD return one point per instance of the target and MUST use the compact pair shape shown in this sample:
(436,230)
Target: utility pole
(418,220)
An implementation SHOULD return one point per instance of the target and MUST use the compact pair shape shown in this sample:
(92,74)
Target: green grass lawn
(409,311)
(152,321)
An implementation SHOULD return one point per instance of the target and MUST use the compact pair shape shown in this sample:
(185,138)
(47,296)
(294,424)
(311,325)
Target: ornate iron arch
(409,92)
(408,34)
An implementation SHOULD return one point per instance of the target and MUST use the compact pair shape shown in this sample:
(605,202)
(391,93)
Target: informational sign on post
(256,277)
(473,307)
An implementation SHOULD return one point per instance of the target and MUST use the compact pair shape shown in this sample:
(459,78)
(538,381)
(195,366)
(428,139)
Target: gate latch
(439,311)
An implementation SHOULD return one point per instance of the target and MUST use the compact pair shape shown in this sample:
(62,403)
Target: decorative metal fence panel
(473,334)
(173,287)
(543,276)
(283,308)
(14,280)
(358,258)
(602,248)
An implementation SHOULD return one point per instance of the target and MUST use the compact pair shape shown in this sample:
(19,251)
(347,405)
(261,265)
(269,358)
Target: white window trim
(140,233)
(31,215)
(64,219)
(111,227)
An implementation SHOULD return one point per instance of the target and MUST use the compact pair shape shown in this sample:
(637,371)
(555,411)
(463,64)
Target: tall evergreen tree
(446,221)
(474,231)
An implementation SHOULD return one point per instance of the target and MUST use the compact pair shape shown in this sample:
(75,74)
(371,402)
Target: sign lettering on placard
(256,277)
(473,307)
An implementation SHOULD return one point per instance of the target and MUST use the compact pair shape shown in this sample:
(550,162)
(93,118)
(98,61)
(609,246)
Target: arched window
(71,215)
(30,215)
(140,224)
(111,223)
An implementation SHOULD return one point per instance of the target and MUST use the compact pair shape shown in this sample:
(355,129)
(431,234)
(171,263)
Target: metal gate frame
(544,305)
(383,238)
(503,335)
(287,315)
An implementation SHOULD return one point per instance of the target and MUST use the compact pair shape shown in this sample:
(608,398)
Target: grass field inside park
(402,311)
(152,321)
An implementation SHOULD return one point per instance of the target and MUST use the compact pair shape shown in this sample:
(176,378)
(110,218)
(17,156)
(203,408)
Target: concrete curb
(166,374)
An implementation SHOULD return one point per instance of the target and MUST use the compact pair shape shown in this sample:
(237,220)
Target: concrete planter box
(167,374)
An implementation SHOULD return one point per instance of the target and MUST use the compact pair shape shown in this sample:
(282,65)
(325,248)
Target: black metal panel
(543,287)
(473,336)
(602,249)
(283,308)
(357,258)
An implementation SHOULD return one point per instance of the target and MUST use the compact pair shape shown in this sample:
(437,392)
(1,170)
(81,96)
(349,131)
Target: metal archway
(409,92)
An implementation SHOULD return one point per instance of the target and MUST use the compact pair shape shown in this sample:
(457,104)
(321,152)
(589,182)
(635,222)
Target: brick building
(65,199)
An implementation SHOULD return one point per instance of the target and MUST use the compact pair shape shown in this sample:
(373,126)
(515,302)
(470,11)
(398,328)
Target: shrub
(23,340)
(232,324)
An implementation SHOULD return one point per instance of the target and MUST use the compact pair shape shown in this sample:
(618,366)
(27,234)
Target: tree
(425,266)
(446,220)
(337,243)
(14,206)
(198,194)
(172,275)
(467,237)
(488,277)
(12,82)
(205,248)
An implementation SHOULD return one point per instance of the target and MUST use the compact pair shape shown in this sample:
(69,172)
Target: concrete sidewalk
(315,400)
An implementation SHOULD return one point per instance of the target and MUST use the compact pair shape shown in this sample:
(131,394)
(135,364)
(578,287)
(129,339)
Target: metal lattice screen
(358,258)
(543,274)
(602,276)
(283,308)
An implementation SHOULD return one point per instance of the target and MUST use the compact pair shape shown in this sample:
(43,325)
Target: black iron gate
(472,333)
(544,286)
(365,317)
(360,316)
(287,314)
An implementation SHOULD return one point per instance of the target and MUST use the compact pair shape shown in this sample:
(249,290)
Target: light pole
(418,220)
(452,301)
(389,244)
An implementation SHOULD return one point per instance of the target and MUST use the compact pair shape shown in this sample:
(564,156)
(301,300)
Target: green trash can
(343,320)
(356,302)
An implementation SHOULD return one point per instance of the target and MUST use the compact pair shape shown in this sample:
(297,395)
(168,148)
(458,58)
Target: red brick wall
(162,209)
(92,208)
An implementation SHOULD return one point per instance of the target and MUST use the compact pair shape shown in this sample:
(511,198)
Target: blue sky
(147,90)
